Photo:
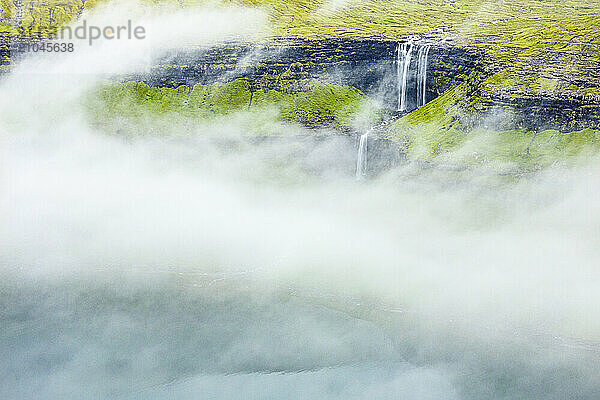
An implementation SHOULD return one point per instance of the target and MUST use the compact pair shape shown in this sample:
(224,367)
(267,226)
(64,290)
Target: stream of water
(404,53)
(423,58)
(362,156)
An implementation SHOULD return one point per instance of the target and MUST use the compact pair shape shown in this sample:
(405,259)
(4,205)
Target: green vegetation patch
(439,125)
(440,131)
(323,104)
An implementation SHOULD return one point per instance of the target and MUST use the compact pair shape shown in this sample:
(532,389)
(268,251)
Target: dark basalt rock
(542,113)
(287,65)
(5,50)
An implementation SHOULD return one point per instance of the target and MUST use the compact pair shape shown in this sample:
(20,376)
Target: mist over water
(202,263)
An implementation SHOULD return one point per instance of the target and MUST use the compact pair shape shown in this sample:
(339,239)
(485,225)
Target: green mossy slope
(440,131)
(532,49)
(323,104)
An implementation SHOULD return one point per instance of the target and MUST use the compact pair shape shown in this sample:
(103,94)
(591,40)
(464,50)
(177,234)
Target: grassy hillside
(549,39)
(323,104)
(532,49)
(517,21)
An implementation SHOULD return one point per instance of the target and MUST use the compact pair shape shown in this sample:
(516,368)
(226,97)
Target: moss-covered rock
(539,69)
(324,104)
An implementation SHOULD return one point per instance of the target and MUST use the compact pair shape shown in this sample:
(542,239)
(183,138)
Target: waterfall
(361,160)
(403,59)
(423,56)
(404,54)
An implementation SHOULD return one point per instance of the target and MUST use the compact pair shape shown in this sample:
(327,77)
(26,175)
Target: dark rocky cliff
(532,64)
(289,65)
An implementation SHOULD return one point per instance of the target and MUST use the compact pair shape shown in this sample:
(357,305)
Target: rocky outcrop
(533,63)
(287,65)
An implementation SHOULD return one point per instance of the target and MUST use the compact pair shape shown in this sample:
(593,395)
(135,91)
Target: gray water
(167,335)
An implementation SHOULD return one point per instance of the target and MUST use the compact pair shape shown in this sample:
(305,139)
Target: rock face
(532,62)
(288,66)
(529,64)
(557,87)
(371,66)
(545,98)
(545,112)
(4,50)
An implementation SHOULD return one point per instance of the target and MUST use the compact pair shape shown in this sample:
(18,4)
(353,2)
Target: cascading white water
(404,55)
(361,161)
(403,59)
(423,56)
